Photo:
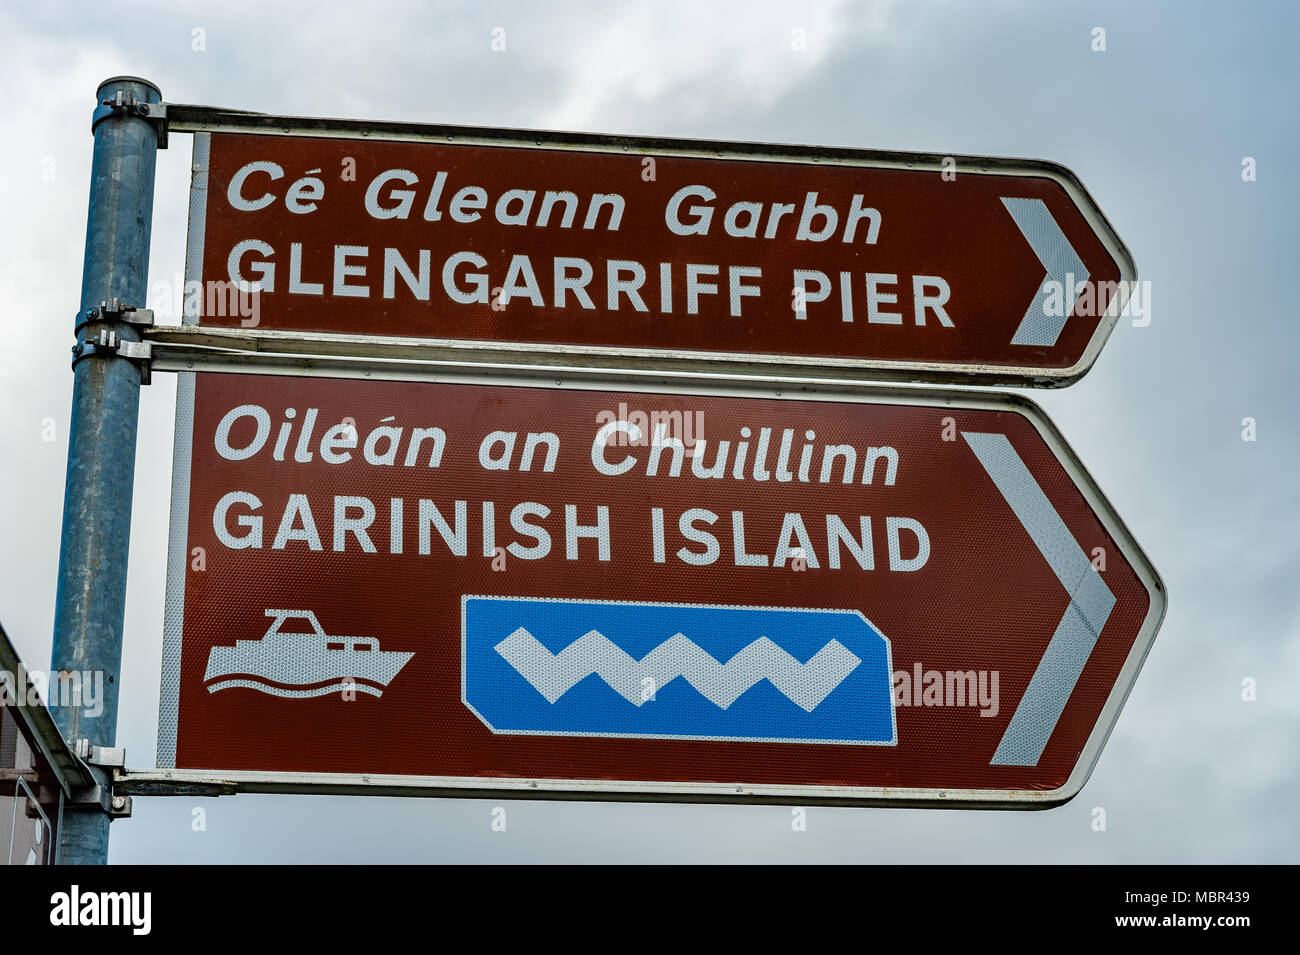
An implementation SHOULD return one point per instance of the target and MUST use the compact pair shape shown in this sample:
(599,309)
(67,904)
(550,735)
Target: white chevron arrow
(1085,615)
(553,675)
(1040,325)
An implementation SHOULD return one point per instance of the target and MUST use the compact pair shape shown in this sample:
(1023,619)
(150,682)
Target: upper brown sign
(652,253)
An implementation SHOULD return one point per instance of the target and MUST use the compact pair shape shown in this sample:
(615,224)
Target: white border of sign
(201,120)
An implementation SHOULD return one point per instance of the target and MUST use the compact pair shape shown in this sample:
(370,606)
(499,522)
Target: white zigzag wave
(553,675)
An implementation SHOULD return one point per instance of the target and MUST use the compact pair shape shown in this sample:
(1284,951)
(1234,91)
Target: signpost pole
(91,598)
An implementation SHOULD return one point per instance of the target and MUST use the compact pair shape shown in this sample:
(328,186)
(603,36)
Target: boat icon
(292,661)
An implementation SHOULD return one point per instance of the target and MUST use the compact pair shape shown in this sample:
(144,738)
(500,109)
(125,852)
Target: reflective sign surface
(865,263)
(911,596)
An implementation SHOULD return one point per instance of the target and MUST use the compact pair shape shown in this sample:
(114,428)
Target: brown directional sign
(470,588)
(623,252)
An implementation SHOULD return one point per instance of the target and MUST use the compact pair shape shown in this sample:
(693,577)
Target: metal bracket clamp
(107,342)
(114,311)
(100,796)
(125,105)
(107,757)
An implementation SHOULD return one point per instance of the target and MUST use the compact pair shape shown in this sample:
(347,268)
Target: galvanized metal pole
(91,599)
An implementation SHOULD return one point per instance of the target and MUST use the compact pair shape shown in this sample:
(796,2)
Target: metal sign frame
(23,791)
(41,733)
(201,120)
(170,781)
(68,769)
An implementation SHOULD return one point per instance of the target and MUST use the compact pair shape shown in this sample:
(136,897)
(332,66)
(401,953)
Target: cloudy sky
(1157,126)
